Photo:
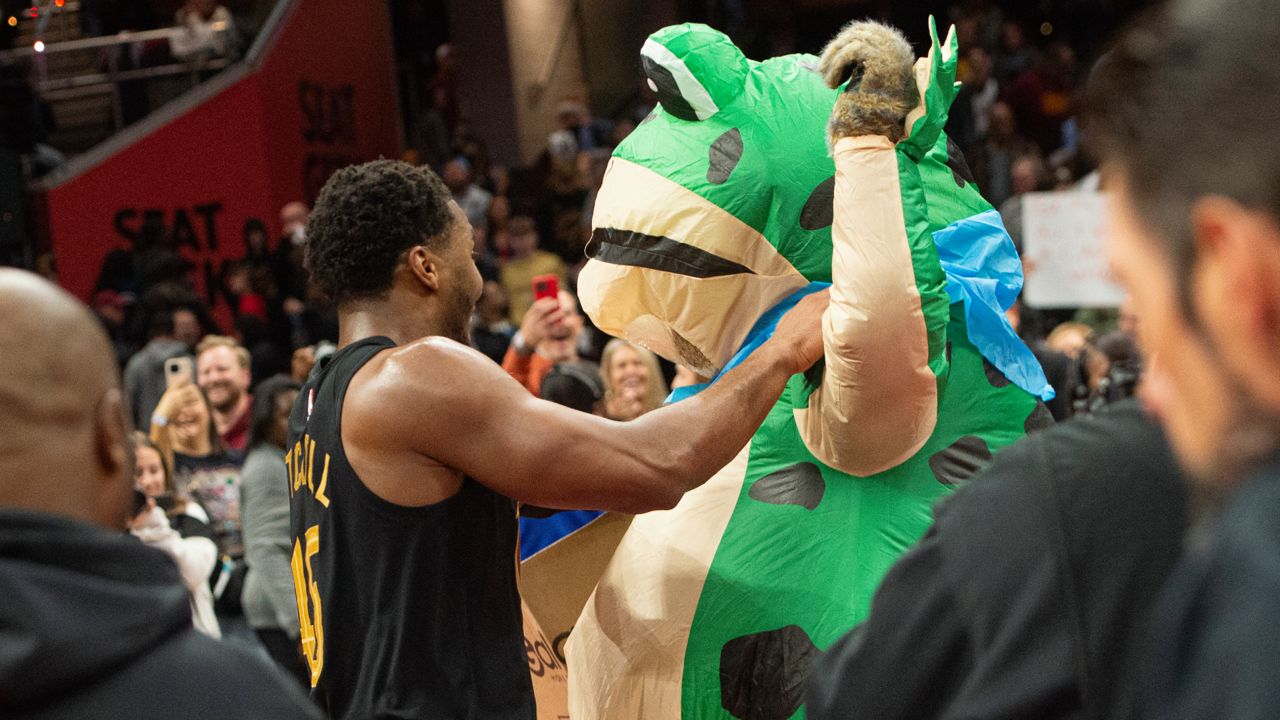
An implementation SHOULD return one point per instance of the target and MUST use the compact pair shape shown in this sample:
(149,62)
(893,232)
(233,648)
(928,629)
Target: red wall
(323,97)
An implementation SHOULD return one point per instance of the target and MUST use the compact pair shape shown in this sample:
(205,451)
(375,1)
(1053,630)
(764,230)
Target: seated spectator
(1034,592)
(152,478)
(578,130)
(304,358)
(547,336)
(144,381)
(269,602)
(496,225)
(485,257)
(633,382)
(112,309)
(222,372)
(194,556)
(1041,97)
(526,263)
(575,385)
(968,120)
(1069,338)
(95,624)
(211,31)
(286,261)
(491,331)
(203,469)
(992,158)
(1108,370)
(473,199)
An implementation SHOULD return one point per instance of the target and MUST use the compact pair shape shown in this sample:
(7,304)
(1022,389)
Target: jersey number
(308,595)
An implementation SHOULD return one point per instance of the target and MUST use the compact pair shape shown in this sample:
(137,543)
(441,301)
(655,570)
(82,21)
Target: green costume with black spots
(716,213)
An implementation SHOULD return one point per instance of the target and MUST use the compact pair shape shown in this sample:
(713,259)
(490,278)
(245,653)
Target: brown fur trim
(877,102)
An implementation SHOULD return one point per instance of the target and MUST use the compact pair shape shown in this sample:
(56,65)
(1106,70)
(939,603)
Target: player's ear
(424,266)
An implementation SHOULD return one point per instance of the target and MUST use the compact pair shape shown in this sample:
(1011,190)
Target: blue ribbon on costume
(984,272)
(760,332)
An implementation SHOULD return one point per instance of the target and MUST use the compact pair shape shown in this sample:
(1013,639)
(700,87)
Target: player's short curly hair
(365,217)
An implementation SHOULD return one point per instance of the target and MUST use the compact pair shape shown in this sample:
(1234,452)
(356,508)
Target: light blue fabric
(984,272)
(760,332)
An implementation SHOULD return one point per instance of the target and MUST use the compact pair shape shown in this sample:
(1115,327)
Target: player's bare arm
(415,410)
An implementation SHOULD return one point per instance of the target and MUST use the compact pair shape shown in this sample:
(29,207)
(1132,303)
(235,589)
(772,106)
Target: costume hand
(799,333)
(936,78)
(874,63)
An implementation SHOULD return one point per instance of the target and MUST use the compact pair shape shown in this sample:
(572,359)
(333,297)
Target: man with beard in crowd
(222,372)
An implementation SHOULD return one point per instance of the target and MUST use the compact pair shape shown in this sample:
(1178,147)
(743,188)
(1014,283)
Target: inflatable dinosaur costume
(722,209)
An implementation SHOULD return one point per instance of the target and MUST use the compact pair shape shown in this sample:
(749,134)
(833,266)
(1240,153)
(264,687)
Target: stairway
(82,114)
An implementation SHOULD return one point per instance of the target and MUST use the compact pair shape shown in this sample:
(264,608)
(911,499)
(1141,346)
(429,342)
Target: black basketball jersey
(405,612)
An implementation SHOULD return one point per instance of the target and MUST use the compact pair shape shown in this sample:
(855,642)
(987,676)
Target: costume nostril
(691,357)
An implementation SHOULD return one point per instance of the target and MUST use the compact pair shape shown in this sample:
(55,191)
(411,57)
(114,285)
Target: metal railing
(196,66)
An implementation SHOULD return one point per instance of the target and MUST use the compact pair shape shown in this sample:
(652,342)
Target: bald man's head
(63,432)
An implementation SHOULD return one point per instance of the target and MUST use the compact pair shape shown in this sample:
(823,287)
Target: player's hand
(799,333)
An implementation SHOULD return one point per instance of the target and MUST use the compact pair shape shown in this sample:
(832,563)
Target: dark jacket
(1219,657)
(1032,594)
(97,625)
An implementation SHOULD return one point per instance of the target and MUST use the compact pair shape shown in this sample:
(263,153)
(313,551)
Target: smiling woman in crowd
(633,382)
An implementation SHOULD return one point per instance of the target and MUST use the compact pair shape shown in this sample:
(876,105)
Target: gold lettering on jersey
(324,483)
(300,463)
(307,595)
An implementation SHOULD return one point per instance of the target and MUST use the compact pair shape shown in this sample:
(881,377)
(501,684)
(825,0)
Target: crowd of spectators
(211,401)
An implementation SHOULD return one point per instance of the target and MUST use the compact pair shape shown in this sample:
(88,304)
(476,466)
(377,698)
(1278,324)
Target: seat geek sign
(318,95)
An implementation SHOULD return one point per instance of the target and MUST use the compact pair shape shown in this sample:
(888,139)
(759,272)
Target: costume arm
(884,332)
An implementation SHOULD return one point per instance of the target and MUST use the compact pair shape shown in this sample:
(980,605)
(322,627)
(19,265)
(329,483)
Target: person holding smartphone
(548,335)
(407,450)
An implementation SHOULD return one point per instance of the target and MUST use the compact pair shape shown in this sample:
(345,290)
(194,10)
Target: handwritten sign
(1064,244)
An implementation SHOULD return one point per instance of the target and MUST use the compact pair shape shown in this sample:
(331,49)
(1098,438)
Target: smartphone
(545,286)
(177,371)
(166,501)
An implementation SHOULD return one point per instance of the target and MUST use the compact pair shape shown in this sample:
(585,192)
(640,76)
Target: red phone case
(546,286)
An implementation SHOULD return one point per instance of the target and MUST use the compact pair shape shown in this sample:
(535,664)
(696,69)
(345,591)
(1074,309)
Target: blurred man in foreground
(93,623)
(1185,115)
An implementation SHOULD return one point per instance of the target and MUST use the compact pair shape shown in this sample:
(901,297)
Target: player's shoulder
(427,365)
(436,352)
